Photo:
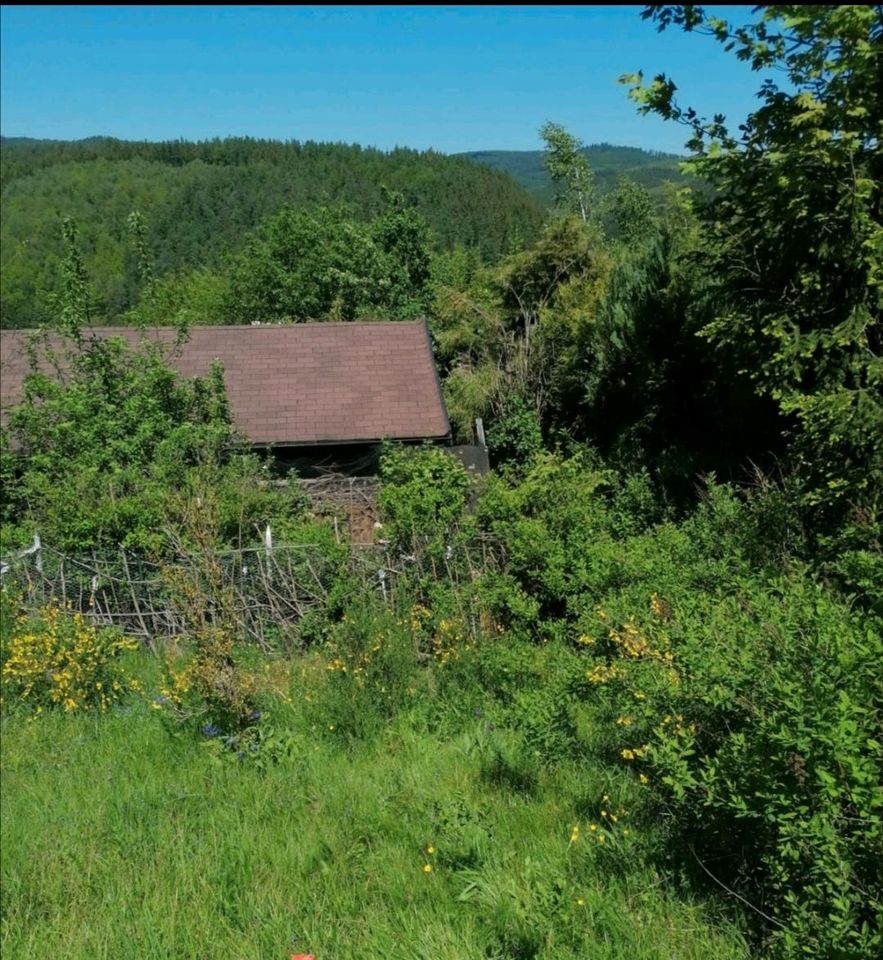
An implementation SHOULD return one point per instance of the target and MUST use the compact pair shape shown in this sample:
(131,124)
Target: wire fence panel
(268,591)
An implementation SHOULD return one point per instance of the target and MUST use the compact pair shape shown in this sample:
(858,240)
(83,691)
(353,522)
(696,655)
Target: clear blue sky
(450,78)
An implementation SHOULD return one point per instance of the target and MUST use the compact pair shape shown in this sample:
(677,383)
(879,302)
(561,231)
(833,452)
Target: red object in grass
(302,956)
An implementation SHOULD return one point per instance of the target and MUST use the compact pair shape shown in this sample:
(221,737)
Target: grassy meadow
(123,841)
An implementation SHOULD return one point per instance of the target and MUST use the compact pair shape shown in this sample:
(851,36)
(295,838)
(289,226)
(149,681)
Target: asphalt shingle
(305,383)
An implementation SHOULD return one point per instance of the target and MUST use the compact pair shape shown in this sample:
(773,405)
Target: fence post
(38,553)
(268,542)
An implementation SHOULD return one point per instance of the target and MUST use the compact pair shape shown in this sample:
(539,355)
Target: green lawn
(121,841)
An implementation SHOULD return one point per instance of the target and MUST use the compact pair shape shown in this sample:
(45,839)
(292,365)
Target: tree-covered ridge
(649,168)
(200,199)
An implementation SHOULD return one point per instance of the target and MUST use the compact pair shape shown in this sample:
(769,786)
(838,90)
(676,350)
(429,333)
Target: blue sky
(449,78)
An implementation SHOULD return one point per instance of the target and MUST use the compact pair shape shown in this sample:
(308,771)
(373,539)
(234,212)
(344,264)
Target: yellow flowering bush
(445,638)
(449,640)
(213,685)
(56,658)
(754,718)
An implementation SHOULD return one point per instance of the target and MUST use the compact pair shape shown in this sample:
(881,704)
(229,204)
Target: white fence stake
(268,542)
(35,548)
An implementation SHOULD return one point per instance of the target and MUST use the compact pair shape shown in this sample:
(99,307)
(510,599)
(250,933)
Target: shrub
(423,496)
(211,687)
(515,436)
(58,659)
(757,717)
(227,695)
(749,702)
(107,441)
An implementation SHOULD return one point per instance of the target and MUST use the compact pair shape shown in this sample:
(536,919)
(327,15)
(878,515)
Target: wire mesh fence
(269,589)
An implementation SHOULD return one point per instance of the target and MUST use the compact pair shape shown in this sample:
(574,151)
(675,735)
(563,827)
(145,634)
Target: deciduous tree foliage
(794,236)
(325,265)
(569,169)
(102,445)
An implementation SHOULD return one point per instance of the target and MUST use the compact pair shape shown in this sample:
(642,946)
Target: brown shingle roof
(300,384)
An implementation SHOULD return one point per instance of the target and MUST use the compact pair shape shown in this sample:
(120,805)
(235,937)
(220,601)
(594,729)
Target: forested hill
(200,199)
(649,168)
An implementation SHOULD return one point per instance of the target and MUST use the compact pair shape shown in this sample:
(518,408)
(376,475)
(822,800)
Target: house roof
(300,384)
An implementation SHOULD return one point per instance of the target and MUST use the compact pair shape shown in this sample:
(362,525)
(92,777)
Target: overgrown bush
(750,703)
(56,658)
(514,437)
(423,496)
(747,702)
(104,442)
(756,716)
(546,525)
(212,687)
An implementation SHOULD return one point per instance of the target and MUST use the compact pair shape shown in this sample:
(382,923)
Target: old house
(319,397)
(315,394)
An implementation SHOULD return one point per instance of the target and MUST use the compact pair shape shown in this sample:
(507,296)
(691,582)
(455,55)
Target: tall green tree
(325,265)
(631,209)
(74,304)
(569,169)
(144,271)
(793,235)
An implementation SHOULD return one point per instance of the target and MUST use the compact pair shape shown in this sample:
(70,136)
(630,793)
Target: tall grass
(121,841)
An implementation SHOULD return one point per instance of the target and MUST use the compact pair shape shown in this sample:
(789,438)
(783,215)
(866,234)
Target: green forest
(621,697)
(609,163)
(198,200)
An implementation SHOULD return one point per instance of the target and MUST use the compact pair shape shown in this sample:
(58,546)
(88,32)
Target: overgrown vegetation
(57,658)
(708,713)
(199,201)
(620,698)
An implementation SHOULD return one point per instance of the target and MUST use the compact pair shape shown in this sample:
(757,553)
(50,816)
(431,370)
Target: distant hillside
(649,168)
(200,199)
